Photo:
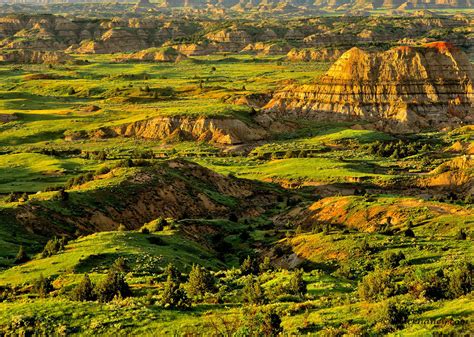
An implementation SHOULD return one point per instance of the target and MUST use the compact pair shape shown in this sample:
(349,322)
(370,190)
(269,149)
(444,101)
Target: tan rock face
(222,131)
(321,55)
(227,131)
(34,56)
(154,55)
(403,89)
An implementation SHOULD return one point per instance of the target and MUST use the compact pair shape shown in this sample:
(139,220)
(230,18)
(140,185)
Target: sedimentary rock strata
(217,130)
(403,89)
(310,54)
(34,56)
(154,55)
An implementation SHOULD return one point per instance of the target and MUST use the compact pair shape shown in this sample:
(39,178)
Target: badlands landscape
(236,168)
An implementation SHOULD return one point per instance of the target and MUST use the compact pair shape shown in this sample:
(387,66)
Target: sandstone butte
(404,89)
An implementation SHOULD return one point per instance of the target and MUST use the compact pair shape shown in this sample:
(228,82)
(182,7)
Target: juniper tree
(113,285)
(42,286)
(297,285)
(200,281)
(21,257)
(84,291)
(174,297)
(253,292)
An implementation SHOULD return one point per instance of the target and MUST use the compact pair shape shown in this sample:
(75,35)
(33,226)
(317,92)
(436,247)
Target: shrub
(460,280)
(244,235)
(156,225)
(42,286)
(173,295)
(260,322)
(265,265)
(391,315)
(120,265)
(84,291)
(21,257)
(52,247)
(122,228)
(102,170)
(430,285)
(253,292)
(376,285)
(249,266)
(113,285)
(461,235)
(200,282)
(297,285)
(392,259)
(409,233)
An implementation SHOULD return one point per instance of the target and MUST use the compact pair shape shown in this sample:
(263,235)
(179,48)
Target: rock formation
(310,54)
(154,55)
(404,89)
(217,130)
(34,56)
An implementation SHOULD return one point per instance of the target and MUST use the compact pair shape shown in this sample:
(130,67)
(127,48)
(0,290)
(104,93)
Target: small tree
(391,315)
(297,285)
(249,266)
(21,257)
(120,265)
(172,271)
(200,281)
(253,292)
(42,286)
(461,235)
(113,285)
(52,247)
(376,285)
(392,259)
(84,291)
(265,265)
(460,280)
(174,297)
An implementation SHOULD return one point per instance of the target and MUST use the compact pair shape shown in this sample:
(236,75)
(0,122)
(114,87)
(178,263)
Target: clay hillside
(402,89)
(283,6)
(315,39)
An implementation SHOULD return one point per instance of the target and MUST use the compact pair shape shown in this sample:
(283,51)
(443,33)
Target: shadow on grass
(98,262)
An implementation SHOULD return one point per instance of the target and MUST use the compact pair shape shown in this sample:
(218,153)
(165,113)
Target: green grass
(96,252)
(32,172)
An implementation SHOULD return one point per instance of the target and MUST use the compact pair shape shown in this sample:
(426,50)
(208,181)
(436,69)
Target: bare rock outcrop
(313,54)
(154,55)
(34,56)
(227,131)
(404,89)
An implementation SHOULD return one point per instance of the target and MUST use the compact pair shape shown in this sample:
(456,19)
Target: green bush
(460,280)
(377,285)
(84,291)
(21,256)
(249,266)
(53,247)
(297,286)
(200,282)
(260,322)
(113,285)
(253,292)
(392,259)
(42,286)
(390,316)
(173,296)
